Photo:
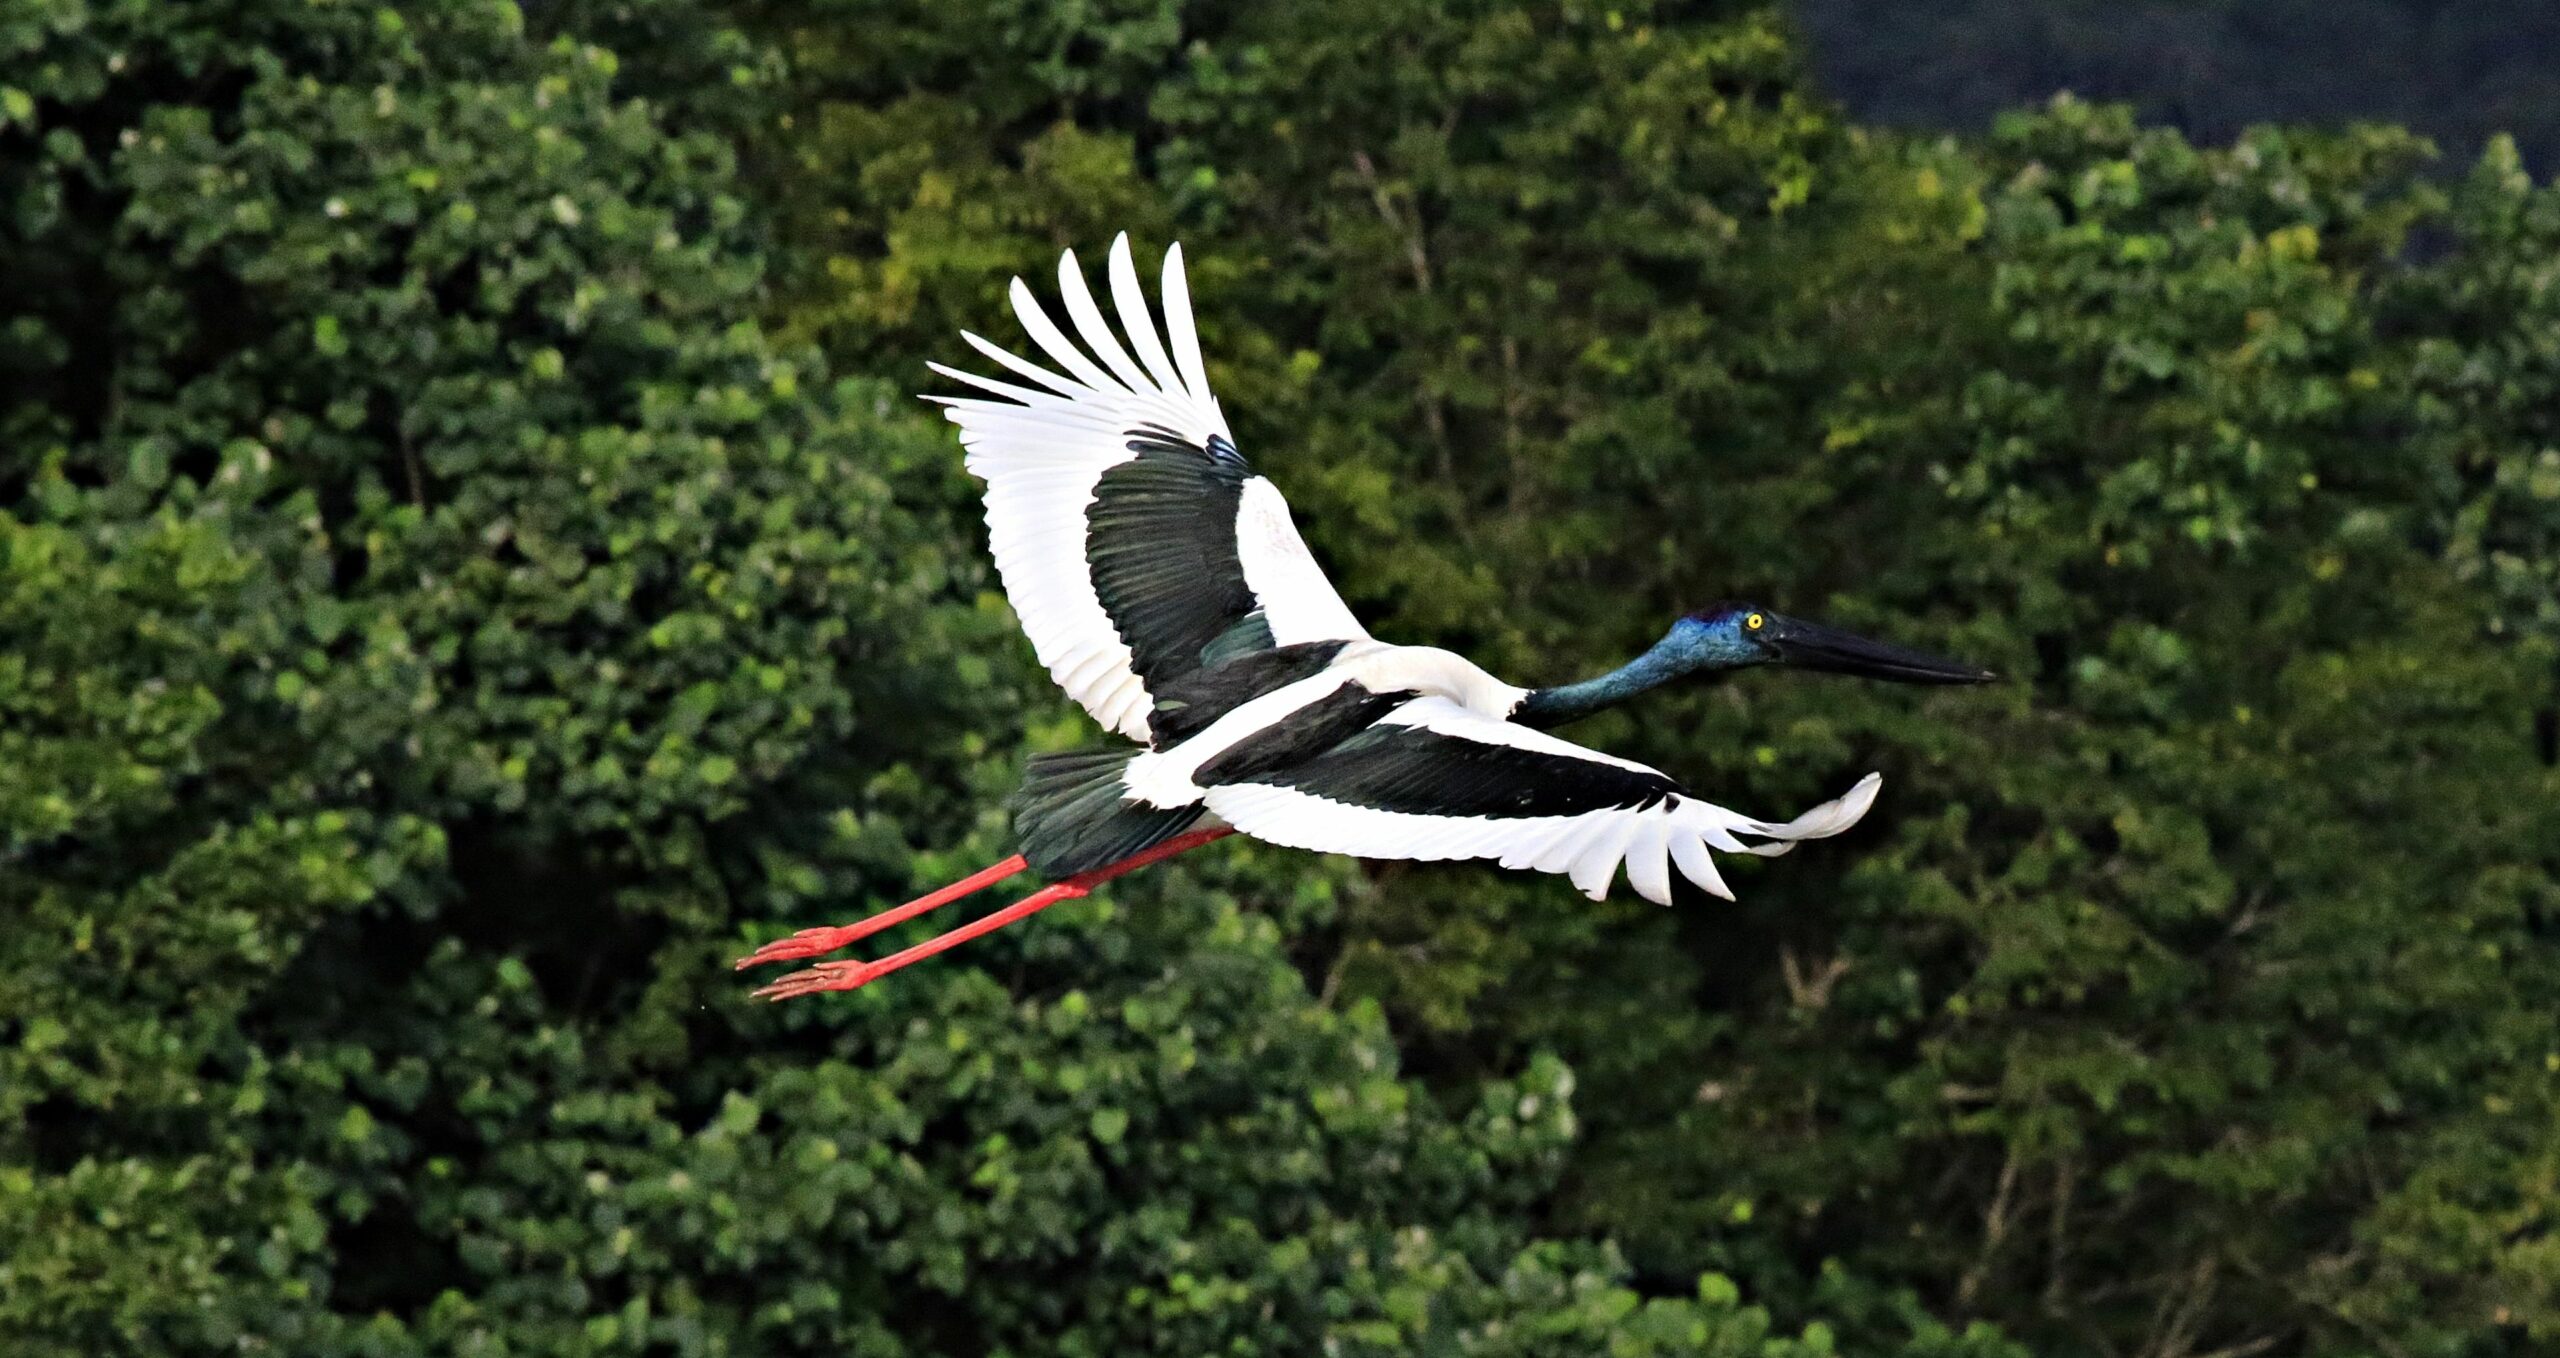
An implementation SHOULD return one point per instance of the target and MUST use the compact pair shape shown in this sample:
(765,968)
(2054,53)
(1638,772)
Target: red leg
(811,942)
(853,975)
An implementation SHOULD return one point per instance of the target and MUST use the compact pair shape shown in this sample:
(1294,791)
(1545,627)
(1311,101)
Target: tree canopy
(471,564)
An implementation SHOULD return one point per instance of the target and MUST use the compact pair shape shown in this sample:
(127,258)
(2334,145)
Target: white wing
(1433,780)
(1131,536)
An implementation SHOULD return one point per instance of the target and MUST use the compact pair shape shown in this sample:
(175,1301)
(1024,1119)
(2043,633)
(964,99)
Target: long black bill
(1811,646)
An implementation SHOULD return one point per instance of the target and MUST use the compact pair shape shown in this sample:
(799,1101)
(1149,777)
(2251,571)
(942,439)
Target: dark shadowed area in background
(2454,70)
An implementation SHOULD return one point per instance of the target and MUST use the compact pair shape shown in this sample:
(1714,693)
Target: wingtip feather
(1179,327)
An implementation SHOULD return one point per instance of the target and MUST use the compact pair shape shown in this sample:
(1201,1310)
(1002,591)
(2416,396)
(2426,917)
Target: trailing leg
(854,975)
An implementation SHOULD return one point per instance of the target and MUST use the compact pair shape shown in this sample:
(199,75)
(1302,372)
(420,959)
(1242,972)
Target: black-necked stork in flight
(1165,587)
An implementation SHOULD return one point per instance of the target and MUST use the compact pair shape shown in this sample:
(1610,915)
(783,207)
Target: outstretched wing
(1433,780)
(1132,537)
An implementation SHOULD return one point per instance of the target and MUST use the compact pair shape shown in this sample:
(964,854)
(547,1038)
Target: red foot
(806,943)
(821,978)
(854,975)
(813,942)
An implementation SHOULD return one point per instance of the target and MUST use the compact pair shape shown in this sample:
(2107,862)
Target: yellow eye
(1755,622)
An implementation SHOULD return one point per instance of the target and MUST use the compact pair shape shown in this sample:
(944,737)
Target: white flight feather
(1177,324)
(1096,331)
(1132,301)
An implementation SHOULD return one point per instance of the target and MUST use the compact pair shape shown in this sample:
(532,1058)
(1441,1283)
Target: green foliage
(2484,369)
(452,604)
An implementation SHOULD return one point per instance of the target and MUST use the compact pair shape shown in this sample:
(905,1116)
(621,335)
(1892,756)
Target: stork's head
(1733,635)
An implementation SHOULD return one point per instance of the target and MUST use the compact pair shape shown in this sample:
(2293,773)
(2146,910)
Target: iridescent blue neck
(1690,647)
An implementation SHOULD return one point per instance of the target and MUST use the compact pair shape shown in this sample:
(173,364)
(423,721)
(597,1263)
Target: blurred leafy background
(471,565)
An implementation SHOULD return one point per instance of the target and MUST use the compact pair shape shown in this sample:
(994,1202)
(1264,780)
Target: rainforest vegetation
(472,563)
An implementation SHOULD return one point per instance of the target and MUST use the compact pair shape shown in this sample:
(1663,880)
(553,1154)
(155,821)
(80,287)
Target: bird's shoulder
(1259,714)
(1190,703)
(1428,671)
